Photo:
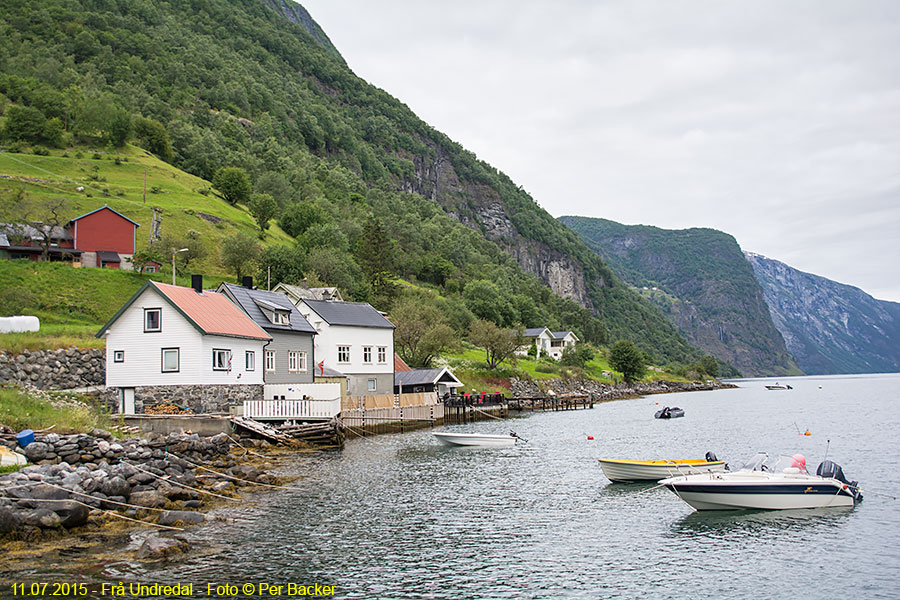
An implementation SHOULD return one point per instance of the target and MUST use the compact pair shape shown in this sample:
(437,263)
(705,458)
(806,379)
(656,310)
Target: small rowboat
(617,470)
(9,458)
(476,439)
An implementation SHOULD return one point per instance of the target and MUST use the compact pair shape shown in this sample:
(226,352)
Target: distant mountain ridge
(701,281)
(828,326)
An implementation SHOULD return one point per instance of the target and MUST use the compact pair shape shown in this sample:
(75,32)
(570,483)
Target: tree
(152,136)
(577,355)
(422,333)
(709,365)
(144,256)
(482,298)
(375,254)
(626,358)
(232,184)
(499,344)
(196,249)
(263,208)
(24,123)
(41,219)
(299,217)
(282,263)
(239,253)
(276,185)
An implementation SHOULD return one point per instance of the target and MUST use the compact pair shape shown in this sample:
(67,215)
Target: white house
(561,340)
(167,339)
(540,337)
(354,339)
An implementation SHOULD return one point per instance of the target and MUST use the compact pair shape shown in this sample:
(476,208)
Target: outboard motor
(834,471)
(710,457)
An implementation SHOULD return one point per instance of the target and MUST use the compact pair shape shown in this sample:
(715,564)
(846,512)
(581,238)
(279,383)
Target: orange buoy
(590,437)
(807,432)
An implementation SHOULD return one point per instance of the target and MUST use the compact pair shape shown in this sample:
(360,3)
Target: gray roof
(108,256)
(249,300)
(304,293)
(561,334)
(353,314)
(422,377)
(327,372)
(535,331)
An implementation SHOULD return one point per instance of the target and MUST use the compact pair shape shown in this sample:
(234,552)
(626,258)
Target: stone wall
(603,391)
(199,399)
(62,369)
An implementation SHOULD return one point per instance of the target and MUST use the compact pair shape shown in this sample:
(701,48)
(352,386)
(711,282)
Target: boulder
(36,451)
(71,514)
(42,517)
(170,517)
(157,547)
(48,492)
(148,499)
(9,520)
(115,486)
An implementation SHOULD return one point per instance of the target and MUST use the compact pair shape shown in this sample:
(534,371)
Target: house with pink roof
(187,347)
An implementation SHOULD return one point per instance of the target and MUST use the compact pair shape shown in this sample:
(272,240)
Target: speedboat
(779,386)
(669,413)
(477,439)
(618,470)
(759,485)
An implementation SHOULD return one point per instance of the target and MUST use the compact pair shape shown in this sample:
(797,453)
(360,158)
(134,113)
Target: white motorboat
(477,439)
(784,485)
(618,470)
(779,386)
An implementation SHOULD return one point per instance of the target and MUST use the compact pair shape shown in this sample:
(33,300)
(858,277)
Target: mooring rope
(169,481)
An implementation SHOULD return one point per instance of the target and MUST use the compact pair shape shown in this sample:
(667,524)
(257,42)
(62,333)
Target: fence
(292,409)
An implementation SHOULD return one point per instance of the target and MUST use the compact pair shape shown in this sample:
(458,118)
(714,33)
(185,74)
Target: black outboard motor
(834,471)
(710,457)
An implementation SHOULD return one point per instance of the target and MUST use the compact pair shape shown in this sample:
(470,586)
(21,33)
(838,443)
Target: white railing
(292,409)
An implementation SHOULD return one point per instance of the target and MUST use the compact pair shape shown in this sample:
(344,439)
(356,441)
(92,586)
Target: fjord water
(398,516)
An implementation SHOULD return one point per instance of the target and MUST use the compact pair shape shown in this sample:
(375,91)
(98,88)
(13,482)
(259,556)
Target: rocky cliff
(702,283)
(828,326)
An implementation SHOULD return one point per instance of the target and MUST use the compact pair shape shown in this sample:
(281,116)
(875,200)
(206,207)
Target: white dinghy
(477,439)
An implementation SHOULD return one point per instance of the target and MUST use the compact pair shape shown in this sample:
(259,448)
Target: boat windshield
(756,463)
(789,464)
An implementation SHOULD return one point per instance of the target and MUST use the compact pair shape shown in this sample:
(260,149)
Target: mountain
(257,85)
(700,279)
(828,326)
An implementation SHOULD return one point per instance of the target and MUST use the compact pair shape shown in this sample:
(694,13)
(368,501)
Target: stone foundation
(199,399)
(62,369)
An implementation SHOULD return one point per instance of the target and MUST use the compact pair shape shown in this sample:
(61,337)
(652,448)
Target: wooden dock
(552,403)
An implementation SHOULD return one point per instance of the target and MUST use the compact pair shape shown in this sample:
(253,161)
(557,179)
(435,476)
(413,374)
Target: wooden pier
(552,403)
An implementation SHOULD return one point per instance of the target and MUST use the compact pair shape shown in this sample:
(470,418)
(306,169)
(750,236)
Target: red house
(105,237)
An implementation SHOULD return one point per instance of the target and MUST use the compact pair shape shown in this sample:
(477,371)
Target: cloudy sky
(777,122)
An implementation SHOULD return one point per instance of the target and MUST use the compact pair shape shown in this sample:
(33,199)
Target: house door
(126,401)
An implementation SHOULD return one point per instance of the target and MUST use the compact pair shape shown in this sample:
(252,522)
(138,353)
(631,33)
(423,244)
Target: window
(296,360)
(152,320)
(281,318)
(250,361)
(371,385)
(382,355)
(119,356)
(221,360)
(343,354)
(270,360)
(367,355)
(170,360)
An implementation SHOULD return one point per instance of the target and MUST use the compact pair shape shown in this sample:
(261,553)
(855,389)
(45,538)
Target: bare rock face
(170,517)
(148,499)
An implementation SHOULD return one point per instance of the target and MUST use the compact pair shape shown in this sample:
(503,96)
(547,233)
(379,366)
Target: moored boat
(782,486)
(619,470)
(476,439)
(779,386)
(669,413)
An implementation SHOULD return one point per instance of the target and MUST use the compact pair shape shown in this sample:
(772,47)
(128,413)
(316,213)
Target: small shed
(415,381)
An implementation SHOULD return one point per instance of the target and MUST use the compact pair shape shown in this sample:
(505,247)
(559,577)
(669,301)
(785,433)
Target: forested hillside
(702,282)
(367,191)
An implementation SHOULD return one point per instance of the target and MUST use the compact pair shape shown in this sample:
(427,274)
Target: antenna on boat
(826,449)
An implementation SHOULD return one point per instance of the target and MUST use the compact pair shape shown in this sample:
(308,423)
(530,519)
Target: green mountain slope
(711,293)
(253,84)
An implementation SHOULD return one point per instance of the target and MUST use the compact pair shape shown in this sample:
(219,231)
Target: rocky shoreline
(520,388)
(83,482)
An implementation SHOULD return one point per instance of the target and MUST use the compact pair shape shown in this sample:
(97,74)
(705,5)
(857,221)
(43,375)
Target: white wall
(143,351)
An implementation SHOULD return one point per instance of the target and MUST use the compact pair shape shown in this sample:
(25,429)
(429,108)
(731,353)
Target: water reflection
(725,523)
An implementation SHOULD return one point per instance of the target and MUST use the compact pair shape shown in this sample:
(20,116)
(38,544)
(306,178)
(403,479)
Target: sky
(777,122)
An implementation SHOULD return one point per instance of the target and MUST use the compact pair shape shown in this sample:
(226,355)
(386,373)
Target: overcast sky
(777,122)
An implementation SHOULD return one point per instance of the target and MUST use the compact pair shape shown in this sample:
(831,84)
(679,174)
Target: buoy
(807,432)
(590,437)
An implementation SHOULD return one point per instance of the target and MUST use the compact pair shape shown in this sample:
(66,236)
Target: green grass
(20,410)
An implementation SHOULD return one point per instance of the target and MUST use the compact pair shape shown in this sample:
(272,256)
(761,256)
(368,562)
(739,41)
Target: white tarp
(19,324)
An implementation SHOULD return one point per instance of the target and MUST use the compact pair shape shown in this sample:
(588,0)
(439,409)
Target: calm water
(400,517)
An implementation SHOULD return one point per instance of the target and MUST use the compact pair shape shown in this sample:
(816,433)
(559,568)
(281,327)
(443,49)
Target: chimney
(197,283)
(247,282)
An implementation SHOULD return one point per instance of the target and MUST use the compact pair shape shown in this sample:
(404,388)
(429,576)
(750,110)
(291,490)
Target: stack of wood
(315,433)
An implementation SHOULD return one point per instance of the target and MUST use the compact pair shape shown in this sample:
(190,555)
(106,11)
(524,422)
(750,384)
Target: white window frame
(119,356)
(270,361)
(221,359)
(372,385)
(367,355)
(382,355)
(343,355)
(250,360)
(297,361)
(281,317)
(177,352)
(158,313)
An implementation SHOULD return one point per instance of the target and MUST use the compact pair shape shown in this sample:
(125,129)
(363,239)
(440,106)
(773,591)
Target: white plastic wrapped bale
(19,324)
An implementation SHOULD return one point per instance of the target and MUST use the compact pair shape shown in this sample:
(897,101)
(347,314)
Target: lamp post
(174,252)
